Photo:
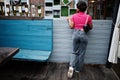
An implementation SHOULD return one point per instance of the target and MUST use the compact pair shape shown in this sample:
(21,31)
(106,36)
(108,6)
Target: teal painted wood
(29,35)
(34,55)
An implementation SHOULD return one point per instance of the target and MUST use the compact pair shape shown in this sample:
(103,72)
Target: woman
(80,39)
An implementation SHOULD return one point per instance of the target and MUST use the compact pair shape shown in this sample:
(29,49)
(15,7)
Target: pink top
(79,20)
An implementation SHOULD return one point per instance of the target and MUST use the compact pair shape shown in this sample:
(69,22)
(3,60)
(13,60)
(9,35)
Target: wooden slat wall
(97,47)
(27,34)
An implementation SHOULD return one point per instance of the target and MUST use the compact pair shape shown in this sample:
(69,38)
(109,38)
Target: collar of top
(82,13)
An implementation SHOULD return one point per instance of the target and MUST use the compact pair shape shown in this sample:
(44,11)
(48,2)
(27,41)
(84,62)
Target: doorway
(100,9)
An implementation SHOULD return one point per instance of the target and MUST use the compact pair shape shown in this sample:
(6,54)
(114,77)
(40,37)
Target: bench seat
(32,55)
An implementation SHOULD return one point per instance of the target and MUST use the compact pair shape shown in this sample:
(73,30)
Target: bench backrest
(27,34)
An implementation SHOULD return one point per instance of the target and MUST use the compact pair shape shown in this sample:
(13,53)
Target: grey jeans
(80,41)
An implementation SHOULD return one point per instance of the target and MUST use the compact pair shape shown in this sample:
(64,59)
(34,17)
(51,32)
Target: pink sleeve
(89,20)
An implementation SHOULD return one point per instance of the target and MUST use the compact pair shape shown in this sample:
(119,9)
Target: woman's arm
(70,22)
(90,23)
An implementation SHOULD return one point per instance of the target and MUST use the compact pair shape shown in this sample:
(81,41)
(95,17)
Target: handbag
(86,27)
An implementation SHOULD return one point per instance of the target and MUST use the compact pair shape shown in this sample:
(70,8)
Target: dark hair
(81,5)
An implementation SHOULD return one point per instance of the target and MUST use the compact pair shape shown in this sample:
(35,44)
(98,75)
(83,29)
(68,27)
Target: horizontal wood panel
(28,34)
(98,43)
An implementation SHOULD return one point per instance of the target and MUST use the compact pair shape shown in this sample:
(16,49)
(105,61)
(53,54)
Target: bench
(34,38)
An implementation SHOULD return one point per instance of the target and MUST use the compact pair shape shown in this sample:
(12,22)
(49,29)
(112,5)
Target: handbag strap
(86,21)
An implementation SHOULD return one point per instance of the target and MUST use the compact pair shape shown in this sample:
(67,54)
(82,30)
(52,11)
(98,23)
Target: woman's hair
(82,6)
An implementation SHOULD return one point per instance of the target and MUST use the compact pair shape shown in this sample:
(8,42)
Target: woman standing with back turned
(80,39)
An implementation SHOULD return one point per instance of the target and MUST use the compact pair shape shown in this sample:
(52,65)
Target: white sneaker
(70,72)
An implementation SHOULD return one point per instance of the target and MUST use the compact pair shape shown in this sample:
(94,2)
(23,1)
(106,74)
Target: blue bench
(34,38)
